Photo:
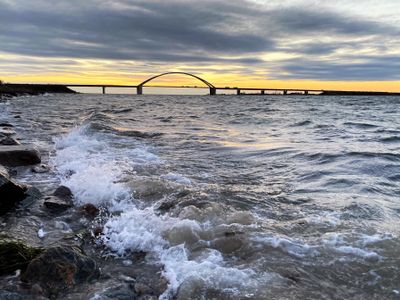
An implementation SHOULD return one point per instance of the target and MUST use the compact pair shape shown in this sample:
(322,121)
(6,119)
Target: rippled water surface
(238,197)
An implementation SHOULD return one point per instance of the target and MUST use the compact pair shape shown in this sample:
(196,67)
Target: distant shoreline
(350,93)
(9,90)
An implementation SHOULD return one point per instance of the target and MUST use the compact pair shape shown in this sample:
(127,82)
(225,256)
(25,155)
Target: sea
(236,197)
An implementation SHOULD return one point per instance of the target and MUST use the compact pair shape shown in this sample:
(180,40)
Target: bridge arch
(210,85)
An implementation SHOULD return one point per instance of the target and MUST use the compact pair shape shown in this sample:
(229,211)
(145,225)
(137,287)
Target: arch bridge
(213,89)
(210,85)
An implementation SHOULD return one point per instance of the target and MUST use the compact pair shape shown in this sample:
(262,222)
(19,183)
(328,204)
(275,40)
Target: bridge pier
(238,92)
(103,89)
(213,91)
(305,92)
(262,92)
(285,92)
(139,90)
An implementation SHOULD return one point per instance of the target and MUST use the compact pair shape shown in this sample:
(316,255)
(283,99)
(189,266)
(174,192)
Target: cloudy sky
(351,44)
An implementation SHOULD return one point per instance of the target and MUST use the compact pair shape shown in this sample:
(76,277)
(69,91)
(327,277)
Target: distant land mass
(8,90)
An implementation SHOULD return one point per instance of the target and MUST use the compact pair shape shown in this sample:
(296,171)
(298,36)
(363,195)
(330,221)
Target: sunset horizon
(288,44)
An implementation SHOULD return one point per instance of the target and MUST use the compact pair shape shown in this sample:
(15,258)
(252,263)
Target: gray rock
(60,201)
(63,192)
(7,131)
(19,155)
(120,292)
(8,141)
(57,205)
(11,193)
(42,168)
(59,268)
(15,255)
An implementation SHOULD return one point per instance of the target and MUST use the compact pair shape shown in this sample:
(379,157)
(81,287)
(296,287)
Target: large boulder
(19,155)
(59,268)
(15,255)
(11,193)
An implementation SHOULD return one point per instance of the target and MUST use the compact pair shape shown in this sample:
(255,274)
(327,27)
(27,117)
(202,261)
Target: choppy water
(261,197)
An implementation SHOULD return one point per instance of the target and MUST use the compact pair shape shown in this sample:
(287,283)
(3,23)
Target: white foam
(93,170)
(177,178)
(357,252)
(41,233)
(95,173)
(143,230)
(293,248)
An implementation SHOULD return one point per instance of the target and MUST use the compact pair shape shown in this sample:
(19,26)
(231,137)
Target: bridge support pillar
(285,92)
(262,92)
(305,92)
(238,92)
(213,91)
(104,89)
(139,90)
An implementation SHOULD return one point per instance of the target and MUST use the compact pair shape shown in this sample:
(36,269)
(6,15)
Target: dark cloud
(191,32)
(366,69)
(312,21)
(170,31)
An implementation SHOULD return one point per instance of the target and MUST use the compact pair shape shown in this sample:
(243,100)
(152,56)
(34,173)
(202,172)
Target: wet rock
(6,131)
(142,289)
(97,231)
(11,193)
(228,244)
(120,292)
(42,168)
(89,210)
(15,255)
(7,295)
(56,204)
(60,201)
(6,125)
(8,141)
(12,295)
(59,268)
(63,192)
(32,195)
(19,155)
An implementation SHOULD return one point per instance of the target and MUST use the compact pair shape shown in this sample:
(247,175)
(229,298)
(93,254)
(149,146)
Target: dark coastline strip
(9,90)
(349,93)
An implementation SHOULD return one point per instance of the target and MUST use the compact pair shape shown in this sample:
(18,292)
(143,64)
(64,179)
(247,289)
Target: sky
(322,44)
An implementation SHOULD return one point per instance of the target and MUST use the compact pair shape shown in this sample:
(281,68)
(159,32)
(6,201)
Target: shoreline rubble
(49,248)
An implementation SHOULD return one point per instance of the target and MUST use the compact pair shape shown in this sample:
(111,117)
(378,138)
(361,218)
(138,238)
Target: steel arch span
(210,85)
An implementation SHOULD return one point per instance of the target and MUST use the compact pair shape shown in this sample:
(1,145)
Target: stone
(6,125)
(89,210)
(11,193)
(19,155)
(15,255)
(120,292)
(7,131)
(8,141)
(63,192)
(57,205)
(60,201)
(60,268)
(42,168)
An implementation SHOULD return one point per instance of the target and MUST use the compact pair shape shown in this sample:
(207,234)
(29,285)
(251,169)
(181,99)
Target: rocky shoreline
(9,90)
(50,249)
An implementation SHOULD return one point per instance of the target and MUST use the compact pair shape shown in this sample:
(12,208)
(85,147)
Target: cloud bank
(280,39)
